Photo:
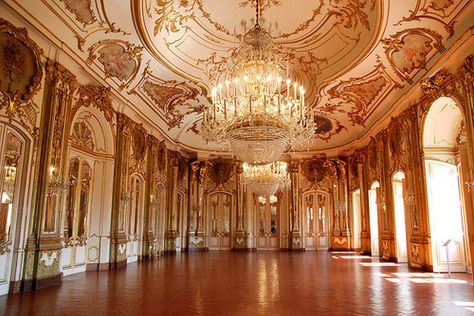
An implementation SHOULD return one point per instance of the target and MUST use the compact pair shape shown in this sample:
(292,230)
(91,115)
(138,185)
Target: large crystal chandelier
(265,180)
(257,111)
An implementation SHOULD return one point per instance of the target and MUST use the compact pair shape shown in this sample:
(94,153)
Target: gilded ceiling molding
(119,59)
(212,42)
(20,75)
(98,96)
(361,94)
(351,14)
(174,99)
(409,50)
(82,9)
(326,126)
(441,11)
(83,17)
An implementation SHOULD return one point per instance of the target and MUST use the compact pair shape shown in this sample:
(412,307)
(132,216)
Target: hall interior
(141,139)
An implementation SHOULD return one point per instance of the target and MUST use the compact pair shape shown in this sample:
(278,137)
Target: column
(295,239)
(240,241)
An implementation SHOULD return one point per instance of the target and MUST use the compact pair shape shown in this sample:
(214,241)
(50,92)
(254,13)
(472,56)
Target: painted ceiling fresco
(356,58)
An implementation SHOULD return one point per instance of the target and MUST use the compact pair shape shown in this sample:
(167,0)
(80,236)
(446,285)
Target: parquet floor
(256,283)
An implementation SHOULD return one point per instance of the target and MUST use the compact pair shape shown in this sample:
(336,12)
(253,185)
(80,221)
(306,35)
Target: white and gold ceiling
(356,58)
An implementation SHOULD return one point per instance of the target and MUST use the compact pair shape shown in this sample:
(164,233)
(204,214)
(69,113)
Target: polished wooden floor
(258,283)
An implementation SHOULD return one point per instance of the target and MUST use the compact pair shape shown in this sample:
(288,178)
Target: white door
(268,223)
(12,149)
(73,256)
(445,217)
(134,219)
(220,210)
(310,225)
(356,219)
(374,223)
(316,224)
(400,225)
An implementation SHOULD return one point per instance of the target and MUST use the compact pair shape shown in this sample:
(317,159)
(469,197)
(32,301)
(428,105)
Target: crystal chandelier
(258,112)
(265,180)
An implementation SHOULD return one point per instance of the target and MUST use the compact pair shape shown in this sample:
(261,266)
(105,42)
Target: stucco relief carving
(161,157)
(353,173)
(82,136)
(212,35)
(372,154)
(318,173)
(442,11)
(138,144)
(64,85)
(119,59)
(221,170)
(362,94)
(408,51)
(82,10)
(20,75)
(84,18)
(48,264)
(396,145)
(174,99)
(5,246)
(98,96)
(416,255)
(325,126)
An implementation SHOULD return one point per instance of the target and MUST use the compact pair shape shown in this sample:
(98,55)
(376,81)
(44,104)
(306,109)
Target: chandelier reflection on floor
(258,112)
(265,180)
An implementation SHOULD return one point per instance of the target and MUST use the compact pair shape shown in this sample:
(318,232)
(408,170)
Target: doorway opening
(374,221)
(356,232)
(441,142)
(398,185)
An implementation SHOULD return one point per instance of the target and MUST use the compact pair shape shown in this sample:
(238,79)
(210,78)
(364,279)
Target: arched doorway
(398,185)
(356,225)
(14,155)
(87,204)
(374,218)
(442,128)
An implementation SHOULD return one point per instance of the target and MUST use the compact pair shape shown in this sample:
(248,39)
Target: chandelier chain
(257,13)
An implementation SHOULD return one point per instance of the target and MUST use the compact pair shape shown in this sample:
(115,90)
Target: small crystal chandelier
(258,112)
(265,180)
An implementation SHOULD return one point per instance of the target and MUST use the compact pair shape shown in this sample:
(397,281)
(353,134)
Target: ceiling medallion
(257,112)
(265,180)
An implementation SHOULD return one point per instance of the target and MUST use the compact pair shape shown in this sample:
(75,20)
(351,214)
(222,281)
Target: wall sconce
(55,188)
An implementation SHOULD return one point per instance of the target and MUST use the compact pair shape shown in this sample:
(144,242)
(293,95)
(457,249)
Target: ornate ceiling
(356,58)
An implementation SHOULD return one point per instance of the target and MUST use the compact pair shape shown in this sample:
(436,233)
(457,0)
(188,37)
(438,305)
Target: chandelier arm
(259,114)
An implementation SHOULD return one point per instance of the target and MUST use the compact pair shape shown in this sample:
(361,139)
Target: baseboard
(31,285)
